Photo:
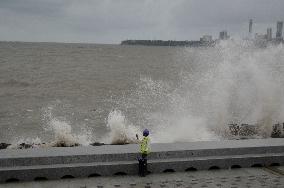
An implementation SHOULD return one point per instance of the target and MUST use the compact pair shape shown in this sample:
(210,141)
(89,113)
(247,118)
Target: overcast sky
(110,21)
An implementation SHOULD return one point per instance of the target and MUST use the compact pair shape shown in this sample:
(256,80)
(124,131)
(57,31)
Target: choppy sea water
(108,93)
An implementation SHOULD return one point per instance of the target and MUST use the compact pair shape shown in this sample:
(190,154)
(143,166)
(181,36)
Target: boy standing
(144,150)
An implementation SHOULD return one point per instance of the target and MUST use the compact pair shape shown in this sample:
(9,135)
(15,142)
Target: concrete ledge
(55,163)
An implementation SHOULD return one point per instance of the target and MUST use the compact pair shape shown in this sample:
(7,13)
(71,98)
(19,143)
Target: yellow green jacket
(145,145)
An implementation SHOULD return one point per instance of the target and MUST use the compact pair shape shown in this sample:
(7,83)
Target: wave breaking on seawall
(231,83)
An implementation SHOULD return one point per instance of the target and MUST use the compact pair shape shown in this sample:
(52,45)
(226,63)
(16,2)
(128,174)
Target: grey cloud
(204,12)
(110,21)
(33,7)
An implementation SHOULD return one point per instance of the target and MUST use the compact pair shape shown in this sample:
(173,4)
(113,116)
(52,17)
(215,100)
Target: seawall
(108,160)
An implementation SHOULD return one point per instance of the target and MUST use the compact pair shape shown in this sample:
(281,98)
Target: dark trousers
(142,165)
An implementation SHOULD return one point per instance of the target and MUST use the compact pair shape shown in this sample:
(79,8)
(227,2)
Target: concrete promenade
(109,160)
(270,177)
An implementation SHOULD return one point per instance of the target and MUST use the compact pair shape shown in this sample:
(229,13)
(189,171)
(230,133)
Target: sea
(85,93)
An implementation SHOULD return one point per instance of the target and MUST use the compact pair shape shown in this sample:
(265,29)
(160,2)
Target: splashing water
(120,131)
(245,86)
(233,82)
(62,131)
(63,135)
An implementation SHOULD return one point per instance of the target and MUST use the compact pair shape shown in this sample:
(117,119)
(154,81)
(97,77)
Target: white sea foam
(244,87)
(120,131)
(62,131)
(233,82)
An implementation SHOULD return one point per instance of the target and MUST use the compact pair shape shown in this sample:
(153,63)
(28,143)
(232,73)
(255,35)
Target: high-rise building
(223,35)
(269,34)
(250,26)
(279,30)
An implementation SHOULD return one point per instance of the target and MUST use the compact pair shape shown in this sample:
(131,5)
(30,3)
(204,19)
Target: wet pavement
(234,178)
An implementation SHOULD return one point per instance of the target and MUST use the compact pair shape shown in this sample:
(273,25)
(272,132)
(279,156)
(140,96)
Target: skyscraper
(279,30)
(250,26)
(223,35)
(269,34)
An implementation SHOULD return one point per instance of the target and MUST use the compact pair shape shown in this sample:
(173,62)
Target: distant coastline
(185,43)
(259,40)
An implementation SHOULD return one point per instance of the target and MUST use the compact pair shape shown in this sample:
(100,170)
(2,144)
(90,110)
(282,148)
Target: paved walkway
(243,177)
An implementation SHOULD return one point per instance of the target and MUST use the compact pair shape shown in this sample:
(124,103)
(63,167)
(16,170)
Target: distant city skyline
(111,21)
(258,39)
(267,35)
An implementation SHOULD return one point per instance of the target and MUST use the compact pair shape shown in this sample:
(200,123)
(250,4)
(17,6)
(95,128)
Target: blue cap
(146,132)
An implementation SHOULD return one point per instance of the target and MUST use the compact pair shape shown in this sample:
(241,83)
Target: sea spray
(245,88)
(240,84)
(231,83)
(63,135)
(234,82)
(120,130)
(62,131)
(182,129)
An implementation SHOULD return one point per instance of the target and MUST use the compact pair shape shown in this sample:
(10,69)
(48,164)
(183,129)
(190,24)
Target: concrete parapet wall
(55,163)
